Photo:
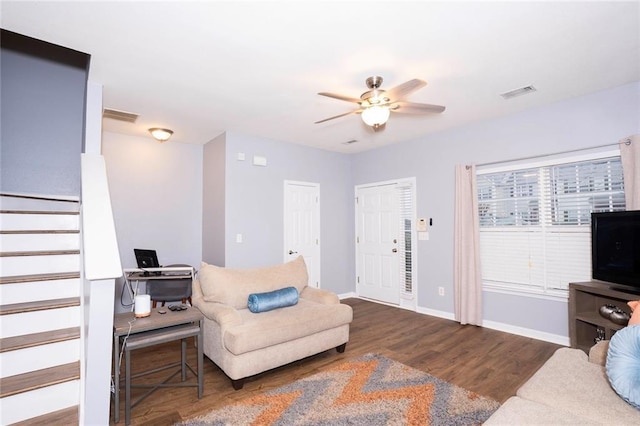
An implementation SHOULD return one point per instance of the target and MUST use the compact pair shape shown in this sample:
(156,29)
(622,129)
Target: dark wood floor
(489,362)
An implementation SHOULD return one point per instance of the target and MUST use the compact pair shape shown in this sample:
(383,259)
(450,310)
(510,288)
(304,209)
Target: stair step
(47,198)
(16,220)
(36,339)
(39,277)
(21,323)
(24,360)
(40,259)
(65,417)
(12,241)
(34,203)
(40,231)
(45,262)
(38,253)
(48,212)
(39,379)
(26,405)
(41,305)
(28,291)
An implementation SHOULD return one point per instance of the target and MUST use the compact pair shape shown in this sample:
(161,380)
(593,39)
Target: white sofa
(571,388)
(243,343)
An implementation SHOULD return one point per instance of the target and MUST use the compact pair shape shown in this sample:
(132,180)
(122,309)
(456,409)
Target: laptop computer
(146,258)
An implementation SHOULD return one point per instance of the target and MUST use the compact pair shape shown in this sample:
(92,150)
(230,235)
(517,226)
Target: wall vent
(518,92)
(114,114)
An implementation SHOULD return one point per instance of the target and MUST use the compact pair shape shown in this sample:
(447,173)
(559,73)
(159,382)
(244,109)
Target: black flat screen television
(615,247)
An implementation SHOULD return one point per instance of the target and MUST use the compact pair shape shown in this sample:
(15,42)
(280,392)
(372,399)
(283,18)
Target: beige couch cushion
(519,411)
(598,352)
(570,382)
(233,286)
(265,329)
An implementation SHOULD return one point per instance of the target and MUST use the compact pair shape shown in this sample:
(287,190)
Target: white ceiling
(202,68)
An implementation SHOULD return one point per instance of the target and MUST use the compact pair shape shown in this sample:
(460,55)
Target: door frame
(406,301)
(316,231)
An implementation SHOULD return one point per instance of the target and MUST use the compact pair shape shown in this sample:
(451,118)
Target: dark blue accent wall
(42,116)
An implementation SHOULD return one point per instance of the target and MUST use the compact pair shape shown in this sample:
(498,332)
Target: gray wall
(156,196)
(255,205)
(596,119)
(213,201)
(43,107)
(170,196)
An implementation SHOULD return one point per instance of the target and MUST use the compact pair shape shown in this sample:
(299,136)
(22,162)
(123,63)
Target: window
(535,222)
(405,245)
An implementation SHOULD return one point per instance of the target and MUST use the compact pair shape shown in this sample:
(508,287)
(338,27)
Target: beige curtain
(630,156)
(466,276)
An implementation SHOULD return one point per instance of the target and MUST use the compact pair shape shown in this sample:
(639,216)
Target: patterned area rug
(372,390)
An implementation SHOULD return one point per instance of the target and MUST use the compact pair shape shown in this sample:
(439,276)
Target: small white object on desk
(142,306)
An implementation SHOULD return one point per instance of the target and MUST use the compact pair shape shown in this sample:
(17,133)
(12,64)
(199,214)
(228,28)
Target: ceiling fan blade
(415,108)
(338,116)
(340,97)
(400,92)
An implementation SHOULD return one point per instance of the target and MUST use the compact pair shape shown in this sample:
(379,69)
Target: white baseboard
(435,313)
(507,328)
(527,332)
(347,295)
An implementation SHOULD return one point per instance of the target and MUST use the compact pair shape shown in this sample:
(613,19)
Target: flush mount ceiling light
(161,135)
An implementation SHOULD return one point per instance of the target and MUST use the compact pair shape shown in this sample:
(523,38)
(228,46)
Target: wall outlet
(238,238)
(440,291)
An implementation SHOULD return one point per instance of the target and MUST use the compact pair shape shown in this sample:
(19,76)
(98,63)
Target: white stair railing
(101,266)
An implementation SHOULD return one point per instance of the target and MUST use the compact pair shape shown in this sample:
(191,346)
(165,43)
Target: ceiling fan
(376,104)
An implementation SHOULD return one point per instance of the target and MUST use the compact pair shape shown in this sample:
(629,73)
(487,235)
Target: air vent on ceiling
(114,114)
(518,92)
(350,142)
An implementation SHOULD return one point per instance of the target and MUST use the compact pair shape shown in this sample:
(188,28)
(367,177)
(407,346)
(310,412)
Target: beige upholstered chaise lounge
(571,388)
(243,343)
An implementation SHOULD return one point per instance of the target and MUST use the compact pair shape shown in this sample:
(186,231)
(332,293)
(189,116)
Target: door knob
(292,252)
(395,250)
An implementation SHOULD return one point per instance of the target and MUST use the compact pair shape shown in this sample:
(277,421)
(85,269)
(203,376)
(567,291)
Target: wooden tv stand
(585,300)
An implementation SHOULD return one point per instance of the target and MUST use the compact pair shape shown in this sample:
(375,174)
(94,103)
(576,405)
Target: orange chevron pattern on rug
(371,390)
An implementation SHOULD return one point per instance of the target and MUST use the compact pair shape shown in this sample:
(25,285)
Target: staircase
(40,312)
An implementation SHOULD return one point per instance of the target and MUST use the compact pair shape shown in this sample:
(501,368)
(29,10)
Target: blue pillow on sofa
(623,364)
(263,302)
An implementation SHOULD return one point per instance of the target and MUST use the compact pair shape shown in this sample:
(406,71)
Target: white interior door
(377,212)
(302,226)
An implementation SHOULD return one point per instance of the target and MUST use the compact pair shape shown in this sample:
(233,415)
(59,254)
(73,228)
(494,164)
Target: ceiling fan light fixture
(161,135)
(375,115)
(376,104)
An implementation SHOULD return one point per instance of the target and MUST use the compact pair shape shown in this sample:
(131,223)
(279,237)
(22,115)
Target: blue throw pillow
(263,302)
(623,364)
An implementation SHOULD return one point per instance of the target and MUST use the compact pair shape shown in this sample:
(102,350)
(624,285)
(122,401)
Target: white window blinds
(535,233)
(405,245)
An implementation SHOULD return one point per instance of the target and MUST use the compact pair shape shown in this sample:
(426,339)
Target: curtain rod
(627,142)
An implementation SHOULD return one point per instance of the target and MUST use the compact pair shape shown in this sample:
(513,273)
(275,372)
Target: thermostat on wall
(259,161)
